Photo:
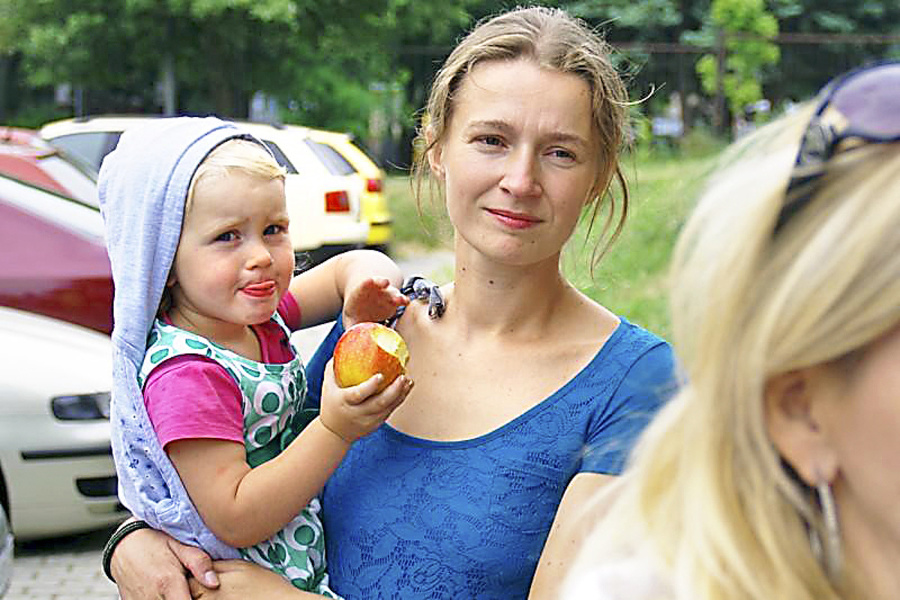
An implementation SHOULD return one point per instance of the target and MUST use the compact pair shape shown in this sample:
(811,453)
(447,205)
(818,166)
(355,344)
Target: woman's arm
(149,565)
(365,283)
(246,581)
(577,514)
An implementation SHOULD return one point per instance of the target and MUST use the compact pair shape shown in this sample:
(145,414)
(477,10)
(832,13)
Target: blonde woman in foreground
(775,473)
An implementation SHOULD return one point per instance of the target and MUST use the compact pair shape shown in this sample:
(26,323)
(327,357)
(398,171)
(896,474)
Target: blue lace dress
(414,518)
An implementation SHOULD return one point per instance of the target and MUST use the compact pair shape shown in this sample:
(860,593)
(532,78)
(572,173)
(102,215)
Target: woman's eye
(562,153)
(490,140)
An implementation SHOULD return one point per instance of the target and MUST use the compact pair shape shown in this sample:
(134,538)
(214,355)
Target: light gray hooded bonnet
(143,185)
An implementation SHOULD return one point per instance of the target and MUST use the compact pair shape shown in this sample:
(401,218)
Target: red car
(26,156)
(53,260)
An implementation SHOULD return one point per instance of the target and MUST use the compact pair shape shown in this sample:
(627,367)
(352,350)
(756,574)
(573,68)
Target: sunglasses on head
(858,108)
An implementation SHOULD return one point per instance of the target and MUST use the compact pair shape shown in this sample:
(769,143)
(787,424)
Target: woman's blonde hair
(706,484)
(555,41)
(236,155)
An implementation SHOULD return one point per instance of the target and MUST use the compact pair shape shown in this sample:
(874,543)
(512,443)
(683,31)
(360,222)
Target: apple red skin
(357,357)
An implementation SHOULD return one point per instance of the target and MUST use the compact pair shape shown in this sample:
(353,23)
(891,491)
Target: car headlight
(81,407)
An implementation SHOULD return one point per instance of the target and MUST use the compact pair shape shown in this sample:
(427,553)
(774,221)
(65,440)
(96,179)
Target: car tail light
(337,202)
(373,185)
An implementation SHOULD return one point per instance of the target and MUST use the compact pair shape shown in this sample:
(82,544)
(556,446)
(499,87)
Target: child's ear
(793,420)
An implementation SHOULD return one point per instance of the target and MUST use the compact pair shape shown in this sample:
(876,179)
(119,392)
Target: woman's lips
(260,290)
(514,220)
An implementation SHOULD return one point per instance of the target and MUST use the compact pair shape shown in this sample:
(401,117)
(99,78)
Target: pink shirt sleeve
(191,397)
(290,311)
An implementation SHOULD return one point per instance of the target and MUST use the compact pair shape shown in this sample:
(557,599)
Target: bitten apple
(366,349)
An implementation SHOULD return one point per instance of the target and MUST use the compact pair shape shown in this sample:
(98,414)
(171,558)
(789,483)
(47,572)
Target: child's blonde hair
(707,487)
(236,155)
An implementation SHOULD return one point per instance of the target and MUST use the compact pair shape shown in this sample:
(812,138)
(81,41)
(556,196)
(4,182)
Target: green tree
(220,51)
(742,31)
(325,62)
(380,63)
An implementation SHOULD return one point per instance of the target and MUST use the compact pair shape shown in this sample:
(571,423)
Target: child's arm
(245,506)
(364,282)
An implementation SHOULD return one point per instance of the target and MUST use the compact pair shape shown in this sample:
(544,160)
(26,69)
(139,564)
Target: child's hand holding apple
(367,380)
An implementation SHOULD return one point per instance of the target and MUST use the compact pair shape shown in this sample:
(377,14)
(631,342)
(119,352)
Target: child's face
(235,259)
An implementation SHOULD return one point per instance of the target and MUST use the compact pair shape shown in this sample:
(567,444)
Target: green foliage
(627,13)
(223,51)
(33,115)
(320,59)
(329,100)
(747,28)
(701,142)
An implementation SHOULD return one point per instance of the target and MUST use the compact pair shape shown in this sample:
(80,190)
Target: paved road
(61,569)
(69,568)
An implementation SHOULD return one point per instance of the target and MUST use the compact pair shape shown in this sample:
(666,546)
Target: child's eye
(228,236)
(275,229)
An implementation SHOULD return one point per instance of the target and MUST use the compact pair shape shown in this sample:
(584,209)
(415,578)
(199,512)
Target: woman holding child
(527,394)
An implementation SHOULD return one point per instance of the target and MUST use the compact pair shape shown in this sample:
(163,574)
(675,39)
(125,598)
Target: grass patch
(631,279)
(415,230)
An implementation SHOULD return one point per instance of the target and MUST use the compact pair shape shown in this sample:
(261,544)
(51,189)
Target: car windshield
(88,148)
(331,158)
(280,157)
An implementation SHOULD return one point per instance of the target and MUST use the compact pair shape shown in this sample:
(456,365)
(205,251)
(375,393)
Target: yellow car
(373,204)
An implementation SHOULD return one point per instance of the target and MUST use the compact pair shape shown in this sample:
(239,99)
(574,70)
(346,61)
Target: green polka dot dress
(273,412)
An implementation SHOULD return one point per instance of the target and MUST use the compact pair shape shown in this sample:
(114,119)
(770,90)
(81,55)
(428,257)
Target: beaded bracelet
(114,540)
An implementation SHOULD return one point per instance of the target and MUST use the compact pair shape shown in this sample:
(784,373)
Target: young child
(210,436)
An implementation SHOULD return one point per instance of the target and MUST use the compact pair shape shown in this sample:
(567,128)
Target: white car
(56,469)
(324,205)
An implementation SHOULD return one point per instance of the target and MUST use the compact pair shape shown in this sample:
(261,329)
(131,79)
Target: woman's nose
(521,176)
